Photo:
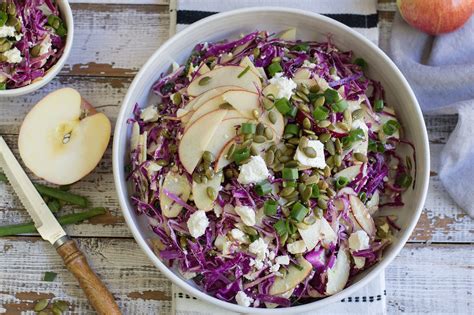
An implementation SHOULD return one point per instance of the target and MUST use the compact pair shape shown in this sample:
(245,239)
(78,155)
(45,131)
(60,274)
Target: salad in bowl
(263,166)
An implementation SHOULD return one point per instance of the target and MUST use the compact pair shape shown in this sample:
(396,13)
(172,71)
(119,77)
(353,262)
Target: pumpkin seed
(310,152)
(331,127)
(248,136)
(304,108)
(231,151)
(256,51)
(337,160)
(319,101)
(338,145)
(259,139)
(303,142)
(197,178)
(5,46)
(314,88)
(41,305)
(292,164)
(348,116)
(209,173)
(357,114)
(61,305)
(284,158)
(211,193)
(260,129)
(310,220)
(304,177)
(286,191)
(272,116)
(228,173)
(225,106)
(204,179)
(247,143)
(162,162)
(207,156)
(302,96)
(330,192)
(324,123)
(308,191)
(267,104)
(56,311)
(285,211)
(276,59)
(302,225)
(35,50)
(329,146)
(314,179)
(296,98)
(283,239)
(293,196)
(177,99)
(343,126)
(304,88)
(324,137)
(301,187)
(250,230)
(330,161)
(309,132)
(278,167)
(360,157)
(294,141)
(327,171)
(268,132)
(254,150)
(322,203)
(318,213)
(12,9)
(204,81)
(278,153)
(269,157)
(307,123)
(256,113)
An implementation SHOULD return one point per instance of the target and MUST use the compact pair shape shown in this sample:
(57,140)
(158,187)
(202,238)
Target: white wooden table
(433,274)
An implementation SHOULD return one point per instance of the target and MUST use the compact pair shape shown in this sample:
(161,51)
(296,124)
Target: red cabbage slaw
(233,272)
(33,40)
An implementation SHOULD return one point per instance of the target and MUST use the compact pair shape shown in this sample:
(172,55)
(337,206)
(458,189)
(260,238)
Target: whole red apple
(436,16)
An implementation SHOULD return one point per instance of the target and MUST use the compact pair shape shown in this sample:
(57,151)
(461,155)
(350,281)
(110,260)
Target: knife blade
(45,222)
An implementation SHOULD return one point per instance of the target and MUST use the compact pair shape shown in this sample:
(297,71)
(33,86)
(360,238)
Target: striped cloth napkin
(361,15)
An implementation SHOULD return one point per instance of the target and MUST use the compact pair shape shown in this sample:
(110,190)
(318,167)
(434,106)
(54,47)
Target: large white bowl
(309,26)
(66,14)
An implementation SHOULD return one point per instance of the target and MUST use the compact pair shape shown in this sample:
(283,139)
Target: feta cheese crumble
(309,64)
(7,31)
(254,171)
(45,46)
(283,85)
(238,235)
(282,260)
(259,248)
(149,114)
(318,161)
(198,223)
(247,214)
(243,299)
(297,247)
(13,55)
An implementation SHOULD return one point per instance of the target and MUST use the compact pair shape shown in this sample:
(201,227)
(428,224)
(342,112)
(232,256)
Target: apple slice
(243,101)
(302,74)
(278,127)
(226,131)
(321,230)
(203,98)
(339,273)
(63,138)
(293,277)
(207,107)
(196,138)
(222,158)
(373,203)
(178,185)
(350,172)
(289,34)
(224,76)
(362,215)
(200,196)
(246,62)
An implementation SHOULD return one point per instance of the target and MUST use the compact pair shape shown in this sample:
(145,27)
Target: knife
(50,230)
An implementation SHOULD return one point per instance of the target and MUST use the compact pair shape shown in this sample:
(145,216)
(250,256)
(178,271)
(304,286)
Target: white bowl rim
(422,153)
(66,12)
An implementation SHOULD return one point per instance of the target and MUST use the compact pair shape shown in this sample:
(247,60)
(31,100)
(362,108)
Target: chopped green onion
(390,127)
(248,128)
(298,212)
(353,136)
(274,68)
(300,47)
(331,96)
(3,86)
(378,105)
(270,207)
(320,113)
(253,238)
(280,227)
(290,227)
(341,182)
(289,173)
(363,196)
(283,105)
(3,178)
(292,129)
(61,30)
(298,267)
(361,63)
(404,180)
(243,72)
(49,276)
(3,18)
(293,111)
(263,188)
(315,191)
(289,183)
(339,106)
(240,155)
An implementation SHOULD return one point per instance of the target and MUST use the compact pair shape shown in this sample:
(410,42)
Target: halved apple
(200,196)
(63,137)
(224,76)
(362,215)
(178,185)
(293,277)
(196,138)
(244,102)
(339,273)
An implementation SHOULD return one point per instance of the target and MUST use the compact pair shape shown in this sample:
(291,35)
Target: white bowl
(309,26)
(66,15)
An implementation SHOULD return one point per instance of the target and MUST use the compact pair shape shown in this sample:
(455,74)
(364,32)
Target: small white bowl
(309,26)
(66,15)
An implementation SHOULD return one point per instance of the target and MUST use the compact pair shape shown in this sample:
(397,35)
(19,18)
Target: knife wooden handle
(97,293)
